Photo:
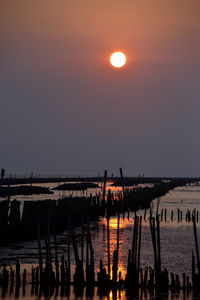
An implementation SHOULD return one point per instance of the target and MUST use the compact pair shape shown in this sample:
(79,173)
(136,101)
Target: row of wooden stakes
(166,215)
(48,275)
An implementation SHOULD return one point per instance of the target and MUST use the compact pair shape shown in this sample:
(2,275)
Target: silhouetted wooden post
(104,184)
(2,175)
(118,223)
(161,214)
(136,243)
(90,267)
(158,243)
(122,180)
(139,245)
(184,281)
(158,203)
(82,238)
(68,250)
(87,247)
(152,227)
(56,252)
(39,248)
(24,277)
(145,214)
(18,278)
(75,248)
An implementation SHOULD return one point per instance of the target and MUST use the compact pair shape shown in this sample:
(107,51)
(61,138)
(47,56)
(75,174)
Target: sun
(118,59)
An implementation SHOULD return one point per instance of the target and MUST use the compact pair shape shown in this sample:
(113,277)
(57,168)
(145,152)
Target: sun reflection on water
(113,223)
(116,295)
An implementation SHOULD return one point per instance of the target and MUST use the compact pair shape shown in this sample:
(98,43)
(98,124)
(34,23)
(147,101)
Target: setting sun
(118,59)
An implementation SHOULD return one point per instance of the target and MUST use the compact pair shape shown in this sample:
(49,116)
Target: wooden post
(108,243)
(136,243)
(104,185)
(87,244)
(56,252)
(82,238)
(158,203)
(122,181)
(152,227)
(139,245)
(158,243)
(39,248)
(75,248)
(68,258)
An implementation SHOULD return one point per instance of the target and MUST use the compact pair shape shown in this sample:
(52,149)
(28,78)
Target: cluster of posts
(50,217)
(19,223)
(179,215)
(51,274)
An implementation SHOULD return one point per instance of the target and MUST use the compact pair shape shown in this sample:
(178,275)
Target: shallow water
(28,293)
(177,240)
(62,193)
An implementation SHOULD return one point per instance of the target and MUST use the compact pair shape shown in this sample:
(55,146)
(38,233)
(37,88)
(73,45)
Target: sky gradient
(65,110)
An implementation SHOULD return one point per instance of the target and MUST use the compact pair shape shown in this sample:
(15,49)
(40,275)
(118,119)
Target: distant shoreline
(126,180)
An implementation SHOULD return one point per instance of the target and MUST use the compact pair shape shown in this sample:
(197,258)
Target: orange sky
(55,58)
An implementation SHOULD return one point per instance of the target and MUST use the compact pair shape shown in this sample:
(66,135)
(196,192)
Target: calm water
(177,240)
(113,295)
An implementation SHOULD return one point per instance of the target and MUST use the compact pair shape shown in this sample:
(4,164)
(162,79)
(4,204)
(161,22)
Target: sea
(176,237)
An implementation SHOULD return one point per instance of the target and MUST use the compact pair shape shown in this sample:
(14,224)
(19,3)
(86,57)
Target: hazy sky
(65,110)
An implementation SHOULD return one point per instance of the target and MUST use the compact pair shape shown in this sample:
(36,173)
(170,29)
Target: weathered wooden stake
(122,181)
(104,184)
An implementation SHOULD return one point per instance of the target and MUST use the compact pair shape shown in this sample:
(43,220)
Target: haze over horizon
(65,110)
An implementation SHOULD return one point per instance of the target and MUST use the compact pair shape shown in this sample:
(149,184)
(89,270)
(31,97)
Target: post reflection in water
(116,295)
(113,226)
(173,251)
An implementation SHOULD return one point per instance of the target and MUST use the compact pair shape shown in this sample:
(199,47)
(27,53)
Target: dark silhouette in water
(40,219)
(23,190)
(16,228)
(2,175)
